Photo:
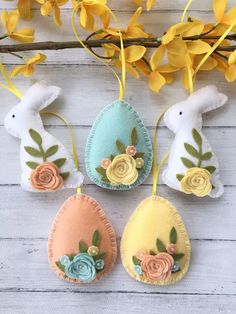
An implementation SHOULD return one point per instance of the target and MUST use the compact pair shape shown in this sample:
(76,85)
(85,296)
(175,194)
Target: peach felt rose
(122,170)
(131,150)
(46,177)
(141,254)
(171,248)
(157,267)
(105,163)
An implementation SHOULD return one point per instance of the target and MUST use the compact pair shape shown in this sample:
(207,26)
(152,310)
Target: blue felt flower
(99,264)
(82,267)
(175,268)
(138,270)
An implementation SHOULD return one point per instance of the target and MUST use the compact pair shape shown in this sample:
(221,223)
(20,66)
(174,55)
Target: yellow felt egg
(155,246)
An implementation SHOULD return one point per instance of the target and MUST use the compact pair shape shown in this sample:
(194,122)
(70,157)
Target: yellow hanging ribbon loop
(10,86)
(157,168)
(120,81)
(213,48)
(185,10)
(72,138)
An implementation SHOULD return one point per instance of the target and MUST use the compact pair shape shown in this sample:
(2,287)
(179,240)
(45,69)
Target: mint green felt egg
(119,151)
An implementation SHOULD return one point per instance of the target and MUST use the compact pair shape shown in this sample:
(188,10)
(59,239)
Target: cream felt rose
(46,177)
(122,170)
(196,181)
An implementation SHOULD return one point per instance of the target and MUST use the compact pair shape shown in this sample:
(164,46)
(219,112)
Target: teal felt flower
(175,268)
(82,267)
(99,264)
(138,270)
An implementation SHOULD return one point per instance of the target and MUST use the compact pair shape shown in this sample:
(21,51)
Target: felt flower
(230,72)
(29,67)
(105,163)
(157,267)
(171,248)
(138,270)
(46,177)
(175,268)
(99,264)
(196,181)
(140,254)
(49,6)
(219,7)
(82,267)
(89,9)
(10,21)
(122,170)
(131,150)
(139,163)
(93,250)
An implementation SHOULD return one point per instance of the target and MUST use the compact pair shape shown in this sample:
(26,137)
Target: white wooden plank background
(27,285)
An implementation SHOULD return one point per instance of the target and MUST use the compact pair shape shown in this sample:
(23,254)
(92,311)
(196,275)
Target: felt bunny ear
(206,99)
(39,96)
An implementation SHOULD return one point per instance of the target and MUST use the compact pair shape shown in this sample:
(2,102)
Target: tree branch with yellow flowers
(182,47)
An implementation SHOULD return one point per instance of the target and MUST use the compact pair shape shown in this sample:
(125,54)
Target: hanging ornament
(118,152)
(155,247)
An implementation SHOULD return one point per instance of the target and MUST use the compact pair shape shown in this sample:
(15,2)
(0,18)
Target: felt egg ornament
(82,244)
(118,151)
(155,247)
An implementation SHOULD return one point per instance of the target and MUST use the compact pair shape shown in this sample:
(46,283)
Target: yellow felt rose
(196,181)
(122,170)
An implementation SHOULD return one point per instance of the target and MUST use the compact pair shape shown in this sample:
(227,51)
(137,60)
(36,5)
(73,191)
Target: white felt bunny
(191,149)
(46,164)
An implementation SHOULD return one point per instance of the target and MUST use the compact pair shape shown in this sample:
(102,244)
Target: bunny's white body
(26,116)
(182,119)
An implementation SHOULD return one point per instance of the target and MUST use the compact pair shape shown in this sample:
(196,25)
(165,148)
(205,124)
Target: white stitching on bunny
(26,116)
(182,118)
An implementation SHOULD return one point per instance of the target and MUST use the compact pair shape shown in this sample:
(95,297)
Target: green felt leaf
(71,256)
(160,246)
(178,256)
(59,162)
(32,151)
(120,146)
(151,252)
(36,137)
(191,150)
(83,248)
(64,175)
(211,169)
(197,137)
(99,256)
(188,163)
(32,164)
(136,260)
(51,151)
(134,137)
(173,236)
(112,157)
(60,266)
(96,238)
(179,176)
(101,171)
(105,179)
(139,155)
(206,156)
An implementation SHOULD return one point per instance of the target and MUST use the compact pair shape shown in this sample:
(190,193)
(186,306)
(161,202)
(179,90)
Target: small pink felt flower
(105,163)
(171,248)
(131,150)
(140,254)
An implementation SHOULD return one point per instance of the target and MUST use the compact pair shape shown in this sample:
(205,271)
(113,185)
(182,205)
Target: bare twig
(146,42)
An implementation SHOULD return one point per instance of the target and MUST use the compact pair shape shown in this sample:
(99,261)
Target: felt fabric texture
(182,119)
(26,116)
(114,123)
(76,221)
(154,218)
